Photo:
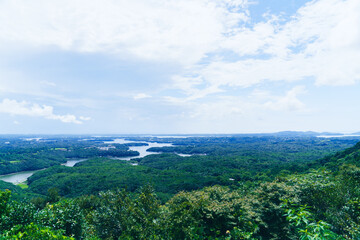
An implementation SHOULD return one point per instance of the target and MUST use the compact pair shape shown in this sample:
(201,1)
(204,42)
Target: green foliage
(64,215)
(16,191)
(18,213)
(4,198)
(352,226)
(23,185)
(32,232)
(264,207)
(332,197)
(214,212)
(120,216)
(39,202)
(53,195)
(303,224)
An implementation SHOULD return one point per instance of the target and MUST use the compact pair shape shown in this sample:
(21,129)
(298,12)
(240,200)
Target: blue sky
(170,66)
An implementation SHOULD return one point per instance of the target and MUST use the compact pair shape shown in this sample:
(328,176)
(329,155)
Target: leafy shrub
(32,232)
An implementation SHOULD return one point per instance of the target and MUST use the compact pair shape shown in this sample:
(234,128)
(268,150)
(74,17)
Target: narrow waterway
(72,162)
(141,149)
(16,178)
(20,177)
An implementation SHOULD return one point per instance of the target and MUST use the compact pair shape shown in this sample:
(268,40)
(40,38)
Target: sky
(179,66)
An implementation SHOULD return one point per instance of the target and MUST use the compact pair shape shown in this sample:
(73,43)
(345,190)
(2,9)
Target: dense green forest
(237,187)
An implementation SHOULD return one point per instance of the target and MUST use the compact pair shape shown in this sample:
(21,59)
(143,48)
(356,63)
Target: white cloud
(246,41)
(141,96)
(82,118)
(222,108)
(48,83)
(289,102)
(321,41)
(24,108)
(181,31)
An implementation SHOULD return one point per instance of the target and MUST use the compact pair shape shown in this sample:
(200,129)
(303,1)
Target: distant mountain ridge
(294,134)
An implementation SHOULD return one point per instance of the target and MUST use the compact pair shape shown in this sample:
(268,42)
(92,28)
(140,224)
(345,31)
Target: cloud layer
(24,108)
(194,63)
(180,31)
(322,41)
